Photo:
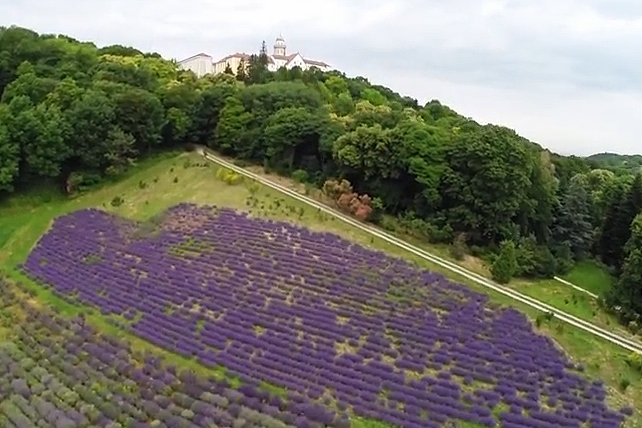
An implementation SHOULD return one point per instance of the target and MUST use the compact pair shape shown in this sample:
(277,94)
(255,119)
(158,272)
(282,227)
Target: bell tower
(279,46)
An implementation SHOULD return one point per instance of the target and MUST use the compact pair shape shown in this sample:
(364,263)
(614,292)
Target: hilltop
(617,162)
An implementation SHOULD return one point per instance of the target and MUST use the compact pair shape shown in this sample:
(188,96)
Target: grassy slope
(590,276)
(23,220)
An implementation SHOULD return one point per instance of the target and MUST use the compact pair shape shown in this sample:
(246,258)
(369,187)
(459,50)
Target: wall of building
(200,65)
(233,62)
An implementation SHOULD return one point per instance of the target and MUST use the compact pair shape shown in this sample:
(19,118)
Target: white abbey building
(202,64)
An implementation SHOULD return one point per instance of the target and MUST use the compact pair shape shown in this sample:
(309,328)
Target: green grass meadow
(590,276)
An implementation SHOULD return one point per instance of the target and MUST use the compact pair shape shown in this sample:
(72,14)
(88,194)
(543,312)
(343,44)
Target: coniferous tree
(616,229)
(263,56)
(627,291)
(241,74)
(258,66)
(505,265)
(572,221)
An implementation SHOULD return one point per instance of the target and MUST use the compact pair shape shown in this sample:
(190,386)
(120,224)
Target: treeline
(73,113)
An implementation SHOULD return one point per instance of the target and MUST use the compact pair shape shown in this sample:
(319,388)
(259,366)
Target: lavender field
(331,321)
(62,373)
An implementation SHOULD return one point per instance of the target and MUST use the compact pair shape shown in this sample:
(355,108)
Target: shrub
(228,176)
(534,260)
(300,175)
(624,384)
(538,320)
(635,361)
(334,189)
(79,181)
(175,180)
(563,259)
(559,328)
(423,229)
(142,184)
(458,247)
(117,201)
(505,264)
(377,210)
(347,200)
(633,327)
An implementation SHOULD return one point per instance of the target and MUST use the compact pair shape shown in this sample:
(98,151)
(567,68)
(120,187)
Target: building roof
(195,56)
(290,57)
(285,57)
(314,62)
(241,55)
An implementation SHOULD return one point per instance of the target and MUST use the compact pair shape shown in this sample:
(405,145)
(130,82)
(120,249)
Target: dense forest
(616,162)
(73,113)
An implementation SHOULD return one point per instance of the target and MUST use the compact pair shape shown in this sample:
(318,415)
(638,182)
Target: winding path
(631,345)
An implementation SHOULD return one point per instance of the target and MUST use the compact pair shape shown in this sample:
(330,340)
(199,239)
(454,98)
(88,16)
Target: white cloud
(565,73)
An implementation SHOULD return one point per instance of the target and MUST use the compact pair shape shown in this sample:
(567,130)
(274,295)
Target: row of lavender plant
(321,316)
(61,373)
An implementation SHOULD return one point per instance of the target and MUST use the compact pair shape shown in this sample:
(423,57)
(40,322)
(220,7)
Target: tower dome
(279,46)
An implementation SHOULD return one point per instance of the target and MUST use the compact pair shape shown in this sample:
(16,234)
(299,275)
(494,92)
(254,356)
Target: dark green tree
(140,114)
(231,136)
(291,134)
(120,151)
(625,204)
(485,183)
(627,291)
(257,70)
(343,104)
(9,153)
(208,107)
(572,222)
(263,55)
(92,118)
(505,264)
(241,71)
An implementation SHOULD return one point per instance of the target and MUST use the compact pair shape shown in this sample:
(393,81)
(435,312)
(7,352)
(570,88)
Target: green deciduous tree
(373,96)
(367,151)
(485,182)
(9,153)
(290,134)
(45,153)
(120,150)
(343,105)
(208,107)
(230,136)
(140,114)
(92,118)
(337,85)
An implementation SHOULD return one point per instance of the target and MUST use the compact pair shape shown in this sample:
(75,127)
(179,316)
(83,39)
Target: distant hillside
(615,161)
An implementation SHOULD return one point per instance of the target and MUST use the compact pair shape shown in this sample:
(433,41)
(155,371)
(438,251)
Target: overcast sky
(564,73)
